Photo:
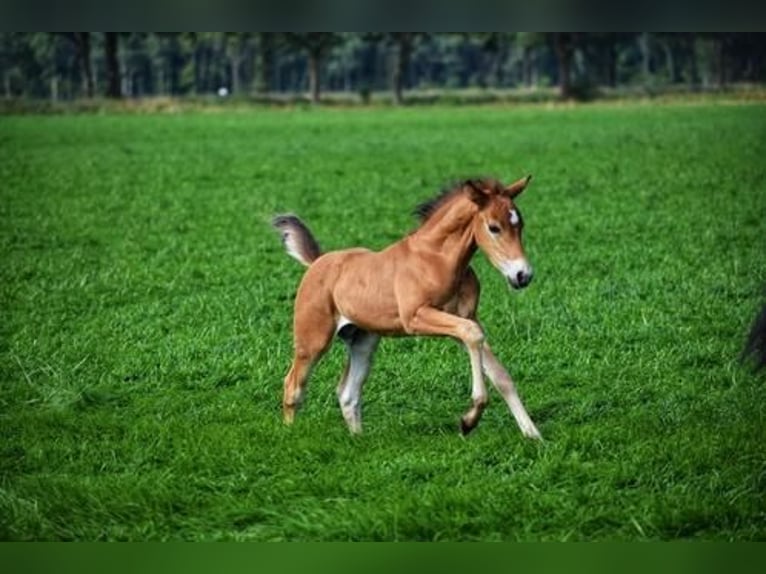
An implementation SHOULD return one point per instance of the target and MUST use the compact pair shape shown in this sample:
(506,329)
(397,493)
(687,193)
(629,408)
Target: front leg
(504,384)
(465,303)
(431,321)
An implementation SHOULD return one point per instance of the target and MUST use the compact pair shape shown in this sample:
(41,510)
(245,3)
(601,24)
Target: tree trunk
(126,76)
(206,83)
(54,87)
(7,85)
(197,53)
(82,43)
(112,65)
(643,42)
(161,90)
(497,68)
(526,67)
(266,61)
(564,48)
(277,78)
(169,66)
(721,61)
(314,62)
(404,45)
(755,60)
(693,66)
(236,63)
(484,68)
(233,49)
(670,61)
(611,63)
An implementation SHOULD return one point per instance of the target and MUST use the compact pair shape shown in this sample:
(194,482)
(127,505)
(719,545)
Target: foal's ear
(477,192)
(517,187)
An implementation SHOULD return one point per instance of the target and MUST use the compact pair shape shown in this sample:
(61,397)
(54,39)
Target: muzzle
(518,272)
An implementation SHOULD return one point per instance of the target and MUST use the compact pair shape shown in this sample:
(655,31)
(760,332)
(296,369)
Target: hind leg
(361,346)
(313,335)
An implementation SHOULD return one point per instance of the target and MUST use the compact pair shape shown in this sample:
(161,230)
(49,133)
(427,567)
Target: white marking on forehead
(513,217)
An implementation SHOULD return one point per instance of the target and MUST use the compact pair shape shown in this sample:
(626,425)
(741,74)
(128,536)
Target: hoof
(533,434)
(466,427)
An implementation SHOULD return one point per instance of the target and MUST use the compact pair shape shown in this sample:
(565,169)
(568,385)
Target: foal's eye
(493,228)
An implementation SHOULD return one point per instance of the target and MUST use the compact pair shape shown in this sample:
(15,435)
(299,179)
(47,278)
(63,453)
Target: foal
(420,285)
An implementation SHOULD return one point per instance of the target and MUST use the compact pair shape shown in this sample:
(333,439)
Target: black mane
(426,209)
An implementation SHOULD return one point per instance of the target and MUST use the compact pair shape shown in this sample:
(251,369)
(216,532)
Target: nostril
(521,279)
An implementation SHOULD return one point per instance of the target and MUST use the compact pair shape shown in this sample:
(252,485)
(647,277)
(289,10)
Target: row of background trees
(67,66)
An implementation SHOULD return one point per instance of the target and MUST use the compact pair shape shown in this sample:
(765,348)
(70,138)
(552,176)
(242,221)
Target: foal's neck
(449,231)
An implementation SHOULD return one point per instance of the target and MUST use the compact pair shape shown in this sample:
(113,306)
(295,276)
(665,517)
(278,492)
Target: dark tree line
(88,64)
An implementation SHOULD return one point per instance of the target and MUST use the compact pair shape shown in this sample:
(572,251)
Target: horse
(422,284)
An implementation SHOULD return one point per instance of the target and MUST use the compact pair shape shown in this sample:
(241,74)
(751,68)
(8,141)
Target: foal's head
(498,225)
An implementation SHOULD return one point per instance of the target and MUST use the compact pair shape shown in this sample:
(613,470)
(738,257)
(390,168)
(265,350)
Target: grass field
(147,308)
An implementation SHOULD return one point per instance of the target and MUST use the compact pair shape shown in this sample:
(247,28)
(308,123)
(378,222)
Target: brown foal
(420,285)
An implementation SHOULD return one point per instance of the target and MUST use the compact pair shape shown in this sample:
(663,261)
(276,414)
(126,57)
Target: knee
(308,353)
(409,323)
(302,353)
(472,334)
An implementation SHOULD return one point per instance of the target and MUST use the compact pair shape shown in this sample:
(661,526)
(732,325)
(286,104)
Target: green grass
(147,308)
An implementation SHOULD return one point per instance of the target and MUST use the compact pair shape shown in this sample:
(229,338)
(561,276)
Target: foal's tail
(297,239)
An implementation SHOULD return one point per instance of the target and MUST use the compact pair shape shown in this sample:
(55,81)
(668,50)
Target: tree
(51,55)
(237,45)
(82,44)
(267,42)
(111,48)
(86,65)
(601,50)
(345,64)
(18,63)
(725,45)
(749,52)
(74,64)
(691,46)
(403,42)
(564,45)
(669,45)
(495,45)
(530,44)
(316,45)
